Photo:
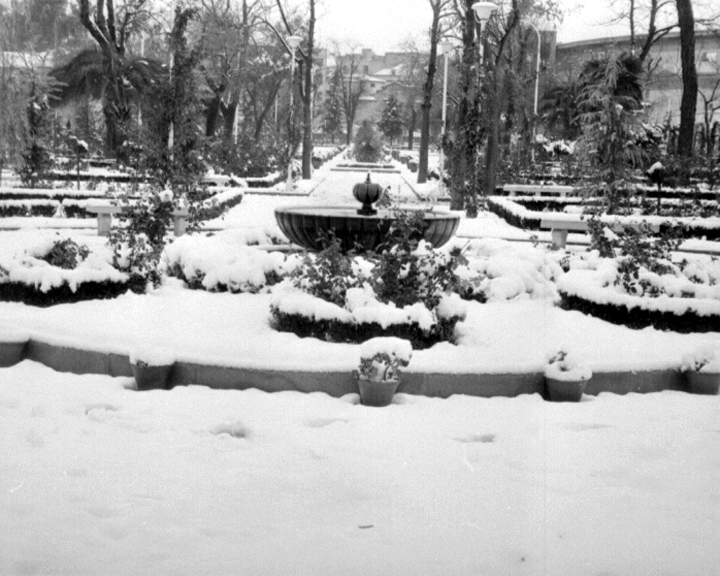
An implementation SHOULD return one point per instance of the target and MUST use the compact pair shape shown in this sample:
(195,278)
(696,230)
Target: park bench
(538,189)
(559,228)
(105,211)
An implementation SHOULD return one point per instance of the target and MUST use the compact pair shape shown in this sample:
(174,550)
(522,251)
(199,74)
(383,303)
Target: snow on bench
(560,226)
(538,190)
(106,209)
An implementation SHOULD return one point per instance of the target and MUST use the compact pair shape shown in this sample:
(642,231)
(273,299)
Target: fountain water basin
(306,225)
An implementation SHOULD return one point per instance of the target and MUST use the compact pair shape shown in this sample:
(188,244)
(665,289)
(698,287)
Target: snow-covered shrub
(704,359)
(56,271)
(563,365)
(641,255)
(381,359)
(399,288)
(138,243)
(66,254)
(225,261)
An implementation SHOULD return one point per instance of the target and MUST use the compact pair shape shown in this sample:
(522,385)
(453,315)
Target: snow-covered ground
(96,478)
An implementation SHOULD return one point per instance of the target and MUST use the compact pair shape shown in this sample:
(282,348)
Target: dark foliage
(637,318)
(336,331)
(21,292)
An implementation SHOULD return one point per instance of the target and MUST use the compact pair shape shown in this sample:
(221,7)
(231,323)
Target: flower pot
(703,382)
(413,166)
(316,163)
(12,347)
(377,393)
(148,377)
(565,390)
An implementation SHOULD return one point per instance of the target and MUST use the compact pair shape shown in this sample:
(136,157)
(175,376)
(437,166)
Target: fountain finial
(367,192)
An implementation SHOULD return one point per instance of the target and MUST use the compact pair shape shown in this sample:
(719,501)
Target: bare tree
(501,29)
(230,35)
(440,12)
(111,29)
(305,54)
(711,104)
(353,85)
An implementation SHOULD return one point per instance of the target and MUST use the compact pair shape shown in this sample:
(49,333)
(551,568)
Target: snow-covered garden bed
(686,298)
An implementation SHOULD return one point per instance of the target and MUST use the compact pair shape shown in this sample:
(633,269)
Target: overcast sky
(386,24)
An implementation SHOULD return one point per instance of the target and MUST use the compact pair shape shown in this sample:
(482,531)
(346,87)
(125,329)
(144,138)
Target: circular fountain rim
(350,210)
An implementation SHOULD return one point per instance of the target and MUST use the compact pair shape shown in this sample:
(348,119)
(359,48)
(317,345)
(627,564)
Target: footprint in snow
(100,412)
(322,422)
(234,429)
(482,438)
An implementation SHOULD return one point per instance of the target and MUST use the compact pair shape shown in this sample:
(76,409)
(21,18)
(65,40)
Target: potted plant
(12,347)
(152,367)
(702,370)
(566,377)
(379,370)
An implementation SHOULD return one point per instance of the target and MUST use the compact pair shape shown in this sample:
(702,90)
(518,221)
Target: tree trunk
(427,96)
(212,115)
(411,127)
(462,160)
(688,104)
(307,99)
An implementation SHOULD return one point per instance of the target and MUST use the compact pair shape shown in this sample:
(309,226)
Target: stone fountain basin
(303,225)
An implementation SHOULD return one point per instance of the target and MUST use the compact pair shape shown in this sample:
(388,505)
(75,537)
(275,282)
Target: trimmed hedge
(336,331)
(693,230)
(638,318)
(21,292)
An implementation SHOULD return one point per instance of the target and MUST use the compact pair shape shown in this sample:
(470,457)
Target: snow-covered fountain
(365,227)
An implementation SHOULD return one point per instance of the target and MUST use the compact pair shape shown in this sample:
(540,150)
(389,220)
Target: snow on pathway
(100,480)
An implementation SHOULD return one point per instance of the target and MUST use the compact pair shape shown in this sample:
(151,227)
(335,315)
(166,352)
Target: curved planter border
(339,383)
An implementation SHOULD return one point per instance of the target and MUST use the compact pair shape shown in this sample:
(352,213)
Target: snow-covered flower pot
(566,378)
(12,348)
(152,368)
(316,163)
(379,370)
(702,370)
(412,165)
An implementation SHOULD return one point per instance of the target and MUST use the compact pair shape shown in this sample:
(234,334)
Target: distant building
(382,75)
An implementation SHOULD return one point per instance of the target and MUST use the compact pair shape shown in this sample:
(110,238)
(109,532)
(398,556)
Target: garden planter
(413,166)
(12,349)
(377,393)
(703,382)
(149,377)
(316,163)
(565,390)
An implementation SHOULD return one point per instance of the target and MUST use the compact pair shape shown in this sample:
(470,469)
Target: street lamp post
(293,42)
(445,49)
(483,11)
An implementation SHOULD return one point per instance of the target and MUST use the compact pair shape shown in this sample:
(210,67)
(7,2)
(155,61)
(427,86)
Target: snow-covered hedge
(56,270)
(687,300)
(517,215)
(512,270)
(294,310)
(226,261)
(326,153)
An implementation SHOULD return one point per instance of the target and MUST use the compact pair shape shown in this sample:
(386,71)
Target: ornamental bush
(405,279)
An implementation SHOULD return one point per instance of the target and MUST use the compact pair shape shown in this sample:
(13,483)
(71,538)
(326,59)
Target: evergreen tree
(36,157)
(333,116)
(391,123)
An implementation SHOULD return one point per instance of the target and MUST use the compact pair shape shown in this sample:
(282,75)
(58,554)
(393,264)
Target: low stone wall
(334,383)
